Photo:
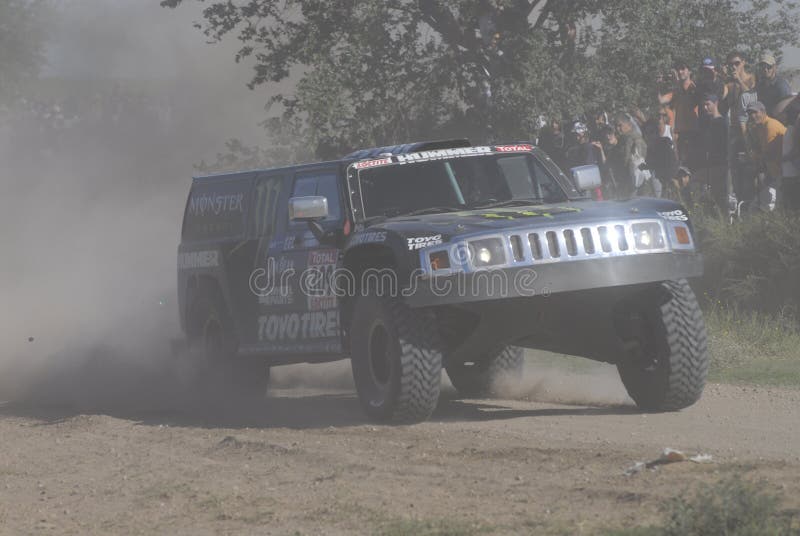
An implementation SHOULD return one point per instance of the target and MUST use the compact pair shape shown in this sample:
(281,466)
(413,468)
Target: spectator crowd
(722,136)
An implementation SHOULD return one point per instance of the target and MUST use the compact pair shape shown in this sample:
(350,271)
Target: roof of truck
(355,156)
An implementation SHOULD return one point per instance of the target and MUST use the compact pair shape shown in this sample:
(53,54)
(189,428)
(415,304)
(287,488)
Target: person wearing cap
(765,141)
(770,87)
(741,94)
(684,102)
(713,169)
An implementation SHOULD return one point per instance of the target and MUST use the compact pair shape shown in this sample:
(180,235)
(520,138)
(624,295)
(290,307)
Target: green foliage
(732,506)
(389,71)
(21,44)
(754,264)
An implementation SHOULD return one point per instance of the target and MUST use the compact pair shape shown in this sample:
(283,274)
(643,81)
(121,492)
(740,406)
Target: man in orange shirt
(765,140)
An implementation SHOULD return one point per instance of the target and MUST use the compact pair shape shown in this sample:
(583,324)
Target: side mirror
(586,177)
(309,208)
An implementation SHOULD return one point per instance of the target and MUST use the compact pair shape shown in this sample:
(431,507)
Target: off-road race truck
(413,258)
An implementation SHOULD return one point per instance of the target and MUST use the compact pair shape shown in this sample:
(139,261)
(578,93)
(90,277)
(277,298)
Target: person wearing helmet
(583,152)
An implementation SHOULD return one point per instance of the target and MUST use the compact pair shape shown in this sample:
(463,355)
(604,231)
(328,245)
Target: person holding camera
(741,94)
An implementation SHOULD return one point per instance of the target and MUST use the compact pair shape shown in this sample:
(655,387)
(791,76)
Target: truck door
(310,323)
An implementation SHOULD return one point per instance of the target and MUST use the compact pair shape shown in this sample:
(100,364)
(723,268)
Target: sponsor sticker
(200,205)
(421,242)
(368,238)
(514,148)
(373,163)
(299,326)
(194,260)
(674,215)
(440,154)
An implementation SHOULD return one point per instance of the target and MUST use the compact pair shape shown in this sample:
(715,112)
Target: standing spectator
(713,171)
(788,112)
(771,88)
(553,142)
(584,153)
(765,139)
(661,159)
(633,152)
(741,94)
(708,84)
(612,164)
(684,102)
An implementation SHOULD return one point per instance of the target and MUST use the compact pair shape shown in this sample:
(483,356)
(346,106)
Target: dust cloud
(565,380)
(95,164)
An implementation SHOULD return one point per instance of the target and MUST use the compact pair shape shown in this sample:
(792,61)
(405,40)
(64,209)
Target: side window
(325,184)
(265,213)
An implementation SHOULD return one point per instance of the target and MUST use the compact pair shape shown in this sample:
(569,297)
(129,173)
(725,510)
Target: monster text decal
(299,326)
(424,242)
(674,215)
(202,204)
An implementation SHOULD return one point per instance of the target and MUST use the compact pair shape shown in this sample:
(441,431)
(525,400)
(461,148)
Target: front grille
(586,241)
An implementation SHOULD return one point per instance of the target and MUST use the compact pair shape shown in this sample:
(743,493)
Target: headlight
(647,236)
(487,252)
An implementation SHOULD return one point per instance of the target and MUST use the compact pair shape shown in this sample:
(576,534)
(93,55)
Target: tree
(21,44)
(380,72)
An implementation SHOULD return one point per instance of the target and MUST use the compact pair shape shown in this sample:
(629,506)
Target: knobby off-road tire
(221,375)
(479,378)
(396,358)
(667,363)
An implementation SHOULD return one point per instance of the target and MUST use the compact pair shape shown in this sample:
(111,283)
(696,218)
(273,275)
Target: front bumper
(550,278)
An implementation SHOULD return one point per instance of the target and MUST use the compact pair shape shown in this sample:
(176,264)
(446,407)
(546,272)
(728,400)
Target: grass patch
(753,348)
(443,527)
(732,506)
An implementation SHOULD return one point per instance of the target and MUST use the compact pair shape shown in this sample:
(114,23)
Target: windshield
(459,183)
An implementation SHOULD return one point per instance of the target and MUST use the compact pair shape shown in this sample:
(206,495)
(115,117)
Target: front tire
(396,359)
(666,363)
(478,379)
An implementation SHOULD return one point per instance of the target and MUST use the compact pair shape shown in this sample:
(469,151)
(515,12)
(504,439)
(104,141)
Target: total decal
(317,280)
(522,148)
(373,163)
(421,242)
(299,326)
(674,215)
(200,205)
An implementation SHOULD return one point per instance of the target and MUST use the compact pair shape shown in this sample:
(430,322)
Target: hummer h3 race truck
(413,258)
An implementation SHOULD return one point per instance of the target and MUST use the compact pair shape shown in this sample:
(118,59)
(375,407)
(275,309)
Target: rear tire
(220,374)
(396,359)
(478,379)
(666,365)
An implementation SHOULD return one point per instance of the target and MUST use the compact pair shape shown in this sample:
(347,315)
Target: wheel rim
(379,361)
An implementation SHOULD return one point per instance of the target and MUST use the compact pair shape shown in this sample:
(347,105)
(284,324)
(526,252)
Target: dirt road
(304,462)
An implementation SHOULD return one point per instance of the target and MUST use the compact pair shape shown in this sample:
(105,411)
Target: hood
(452,224)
